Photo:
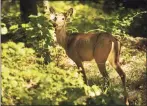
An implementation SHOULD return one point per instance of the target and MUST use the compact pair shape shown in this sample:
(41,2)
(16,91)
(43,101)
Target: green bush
(39,35)
(26,81)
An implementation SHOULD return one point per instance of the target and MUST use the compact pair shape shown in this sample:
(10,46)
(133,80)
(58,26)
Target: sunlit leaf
(13,27)
(4,30)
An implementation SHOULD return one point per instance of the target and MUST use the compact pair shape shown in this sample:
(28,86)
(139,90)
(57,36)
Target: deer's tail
(117,48)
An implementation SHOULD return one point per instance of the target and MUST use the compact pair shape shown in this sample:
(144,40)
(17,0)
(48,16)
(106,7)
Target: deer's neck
(61,36)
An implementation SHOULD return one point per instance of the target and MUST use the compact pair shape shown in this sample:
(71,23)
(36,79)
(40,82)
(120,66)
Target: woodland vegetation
(37,71)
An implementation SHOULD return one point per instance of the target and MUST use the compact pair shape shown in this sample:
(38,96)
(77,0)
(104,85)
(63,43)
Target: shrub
(27,82)
(39,35)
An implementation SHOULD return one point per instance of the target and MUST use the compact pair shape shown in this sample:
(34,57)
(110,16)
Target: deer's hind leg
(101,53)
(114,61)
(102,69)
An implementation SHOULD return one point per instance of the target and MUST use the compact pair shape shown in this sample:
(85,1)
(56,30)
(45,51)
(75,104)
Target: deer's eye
(62,18)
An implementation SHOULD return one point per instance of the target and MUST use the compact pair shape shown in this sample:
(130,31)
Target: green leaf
(4,30)
(13,27)
(25,25)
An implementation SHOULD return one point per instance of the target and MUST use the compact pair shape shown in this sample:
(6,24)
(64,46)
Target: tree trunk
(28,7)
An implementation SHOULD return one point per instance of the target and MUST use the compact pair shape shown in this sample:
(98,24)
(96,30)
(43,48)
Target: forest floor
(133,62)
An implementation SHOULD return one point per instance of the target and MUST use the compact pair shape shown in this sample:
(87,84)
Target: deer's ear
(69,12)
(52,10)
(52,13)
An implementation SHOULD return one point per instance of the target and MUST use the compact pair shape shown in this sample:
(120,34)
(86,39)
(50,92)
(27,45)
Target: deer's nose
(54,24)
(55,18)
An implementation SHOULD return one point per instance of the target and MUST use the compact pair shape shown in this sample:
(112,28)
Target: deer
(82,47)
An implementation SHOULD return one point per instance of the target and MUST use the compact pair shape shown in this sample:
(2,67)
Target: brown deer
(85,47)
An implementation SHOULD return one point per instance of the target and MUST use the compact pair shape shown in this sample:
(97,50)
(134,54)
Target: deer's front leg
(79,64)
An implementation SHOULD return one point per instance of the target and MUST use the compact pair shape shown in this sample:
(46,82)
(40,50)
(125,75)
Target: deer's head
(60,19)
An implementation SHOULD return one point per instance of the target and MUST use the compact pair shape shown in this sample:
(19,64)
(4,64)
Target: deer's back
(83,45)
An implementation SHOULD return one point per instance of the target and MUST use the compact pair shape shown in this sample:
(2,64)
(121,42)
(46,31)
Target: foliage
(10,17)
(27,82)
(39,35)
(4,29)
